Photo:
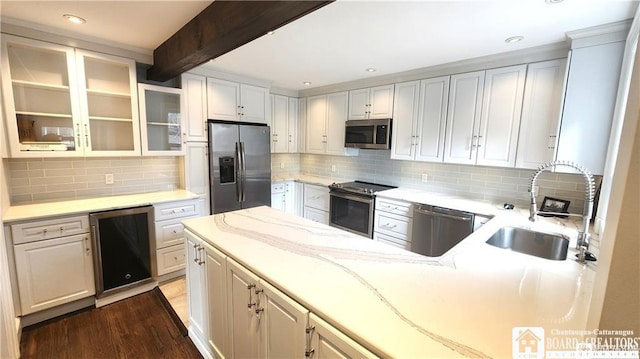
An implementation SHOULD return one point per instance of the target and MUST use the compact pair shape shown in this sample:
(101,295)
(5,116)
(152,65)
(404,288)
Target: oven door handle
(352,198)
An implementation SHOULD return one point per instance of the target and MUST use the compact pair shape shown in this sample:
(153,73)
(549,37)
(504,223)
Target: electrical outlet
(108,178)
(281,164)
(425,178)
(333,168)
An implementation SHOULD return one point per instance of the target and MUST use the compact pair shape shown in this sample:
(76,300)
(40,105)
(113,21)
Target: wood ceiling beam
(221,27)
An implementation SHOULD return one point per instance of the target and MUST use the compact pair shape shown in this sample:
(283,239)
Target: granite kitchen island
(397,303)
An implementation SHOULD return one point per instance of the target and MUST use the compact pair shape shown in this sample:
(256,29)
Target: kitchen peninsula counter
(400,304)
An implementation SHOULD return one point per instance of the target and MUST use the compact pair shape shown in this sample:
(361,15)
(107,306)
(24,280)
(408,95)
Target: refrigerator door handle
(243,170)
(239,189)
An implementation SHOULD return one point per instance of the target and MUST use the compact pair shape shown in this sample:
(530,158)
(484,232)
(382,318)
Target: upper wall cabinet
(419,117)
(284,124)
(237,102)
(371,103)
(484,116)
(589,103)
(540,113)
(161,120)
(194,89)
(326,116)
(62,102)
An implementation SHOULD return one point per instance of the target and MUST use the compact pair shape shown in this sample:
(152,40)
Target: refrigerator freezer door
(257,166)
(224,165)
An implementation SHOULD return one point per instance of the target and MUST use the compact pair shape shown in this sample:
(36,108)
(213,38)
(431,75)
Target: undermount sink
(539,244)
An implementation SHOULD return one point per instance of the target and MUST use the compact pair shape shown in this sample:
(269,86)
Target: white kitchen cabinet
(196,172)
(316,203)
(419,119)
(302,125)
(54,262)
(393,222)
(589,103)
(243,322)
(328,342)
(541,108)
(169,233)
(62,102)
(207,297)
(283,323)
(463,117)
(371,103)
(484,116)
(227,100)
(325,128)
(161,120)
(283,196)
(298,195)
(194,89)
(284,124)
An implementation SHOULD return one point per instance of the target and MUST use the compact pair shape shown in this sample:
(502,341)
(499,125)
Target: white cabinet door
(589,103)
(108,104)
(500,120)
(161,120)
(196,171)
(279,124)
(405,118)
(278,201)
(316,215)
(243,322)
(283,324)
(254,104)
(54,272)
(195,110)
(223,100)
(216,281)
(432,119)
(337,107)
(540,113)
(196,290)
(463,117)
(316,124)
(302,125)
(292,126)
(381,101)
(290,198)
(359,104)
(328,342)
(298,199)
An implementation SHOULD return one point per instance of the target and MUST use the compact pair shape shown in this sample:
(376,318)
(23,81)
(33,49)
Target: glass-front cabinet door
(161,118)
(108,104)
(40,98)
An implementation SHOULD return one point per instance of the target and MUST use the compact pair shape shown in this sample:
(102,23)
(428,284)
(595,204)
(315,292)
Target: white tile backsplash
(44,179)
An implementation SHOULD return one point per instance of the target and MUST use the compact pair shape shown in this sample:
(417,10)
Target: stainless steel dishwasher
(437,229)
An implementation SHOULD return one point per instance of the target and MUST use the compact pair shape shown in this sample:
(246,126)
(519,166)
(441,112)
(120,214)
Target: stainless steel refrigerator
(239,165)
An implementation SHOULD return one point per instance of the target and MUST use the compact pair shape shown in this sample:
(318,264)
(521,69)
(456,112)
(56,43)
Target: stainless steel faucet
(583,235)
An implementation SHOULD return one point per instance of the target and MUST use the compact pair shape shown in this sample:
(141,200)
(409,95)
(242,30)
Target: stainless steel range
(352,205)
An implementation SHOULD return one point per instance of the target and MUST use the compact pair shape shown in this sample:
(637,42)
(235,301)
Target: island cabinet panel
(196,292)
(244,323)
(328,342)
(216,280)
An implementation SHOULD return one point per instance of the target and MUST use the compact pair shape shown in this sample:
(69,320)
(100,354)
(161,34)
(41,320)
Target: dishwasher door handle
(437,214)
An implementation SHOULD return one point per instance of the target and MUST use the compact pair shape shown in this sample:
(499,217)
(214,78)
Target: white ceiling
(339,41)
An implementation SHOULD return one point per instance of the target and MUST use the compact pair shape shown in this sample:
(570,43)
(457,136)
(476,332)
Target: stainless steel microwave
(370,134)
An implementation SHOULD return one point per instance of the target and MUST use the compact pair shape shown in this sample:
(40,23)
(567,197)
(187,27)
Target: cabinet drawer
(316,197)
(277,187)
(176,210)
(391,240)
(392,206)
(316,215)
(169,233)
(170,259)
(48,229)
(393,225)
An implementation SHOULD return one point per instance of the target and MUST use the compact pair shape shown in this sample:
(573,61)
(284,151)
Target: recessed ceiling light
(513,39)
(370,69)
(270,32)
(553,1)
(74,19)
(306,83)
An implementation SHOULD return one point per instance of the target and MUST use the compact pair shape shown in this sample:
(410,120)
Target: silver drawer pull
(388,225)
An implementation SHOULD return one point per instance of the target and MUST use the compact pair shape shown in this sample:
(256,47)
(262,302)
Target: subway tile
(64,172)
(50,165)
(89,178)
(21,199)
(93,192)
(53,196)
(65,187)
(18,166)
(51,180)
(28,190)
(27,173)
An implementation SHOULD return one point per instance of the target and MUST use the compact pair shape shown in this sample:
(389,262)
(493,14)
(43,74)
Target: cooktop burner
(360,187)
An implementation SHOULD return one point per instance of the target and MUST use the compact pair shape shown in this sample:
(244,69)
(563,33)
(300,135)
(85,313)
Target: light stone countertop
(85,206)
(316,180)
(398,303)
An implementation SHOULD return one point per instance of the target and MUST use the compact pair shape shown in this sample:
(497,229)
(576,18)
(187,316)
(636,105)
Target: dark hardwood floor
(138,327)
